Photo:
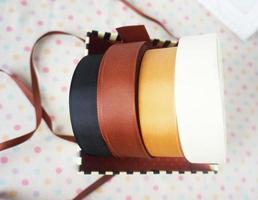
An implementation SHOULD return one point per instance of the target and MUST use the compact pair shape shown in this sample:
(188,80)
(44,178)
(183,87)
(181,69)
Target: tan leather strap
(157,103)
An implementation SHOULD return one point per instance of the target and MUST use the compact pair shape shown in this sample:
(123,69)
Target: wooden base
(112,165)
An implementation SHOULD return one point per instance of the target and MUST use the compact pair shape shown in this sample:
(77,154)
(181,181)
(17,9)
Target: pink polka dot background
(45,166)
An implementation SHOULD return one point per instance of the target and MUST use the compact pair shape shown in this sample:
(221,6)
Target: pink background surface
(45,167)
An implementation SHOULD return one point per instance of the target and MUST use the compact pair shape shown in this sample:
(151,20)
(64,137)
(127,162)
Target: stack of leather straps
(118,120)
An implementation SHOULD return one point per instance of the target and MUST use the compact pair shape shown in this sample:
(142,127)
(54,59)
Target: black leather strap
(83,107)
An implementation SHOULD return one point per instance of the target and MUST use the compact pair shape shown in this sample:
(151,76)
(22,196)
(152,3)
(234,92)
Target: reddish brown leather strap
(112,164)
(15,141)
(35,86)
(34,98)
(136,33)
(116,99)
(93,187)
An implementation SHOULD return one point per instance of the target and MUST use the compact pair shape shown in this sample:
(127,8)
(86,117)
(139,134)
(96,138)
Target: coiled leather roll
(117,99)
(83,107)
(157,104)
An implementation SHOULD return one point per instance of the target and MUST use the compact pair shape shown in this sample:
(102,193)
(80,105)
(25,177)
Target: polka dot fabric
(45,166)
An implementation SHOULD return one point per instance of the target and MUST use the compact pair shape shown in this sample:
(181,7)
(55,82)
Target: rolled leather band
(83,107)
(157,103)
(117,99)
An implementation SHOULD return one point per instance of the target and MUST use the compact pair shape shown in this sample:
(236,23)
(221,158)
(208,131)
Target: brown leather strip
(15,141)
(93,187)
(35,87)
(34,80)
(136,33)
(116,99)
(112,164)
(34,98)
